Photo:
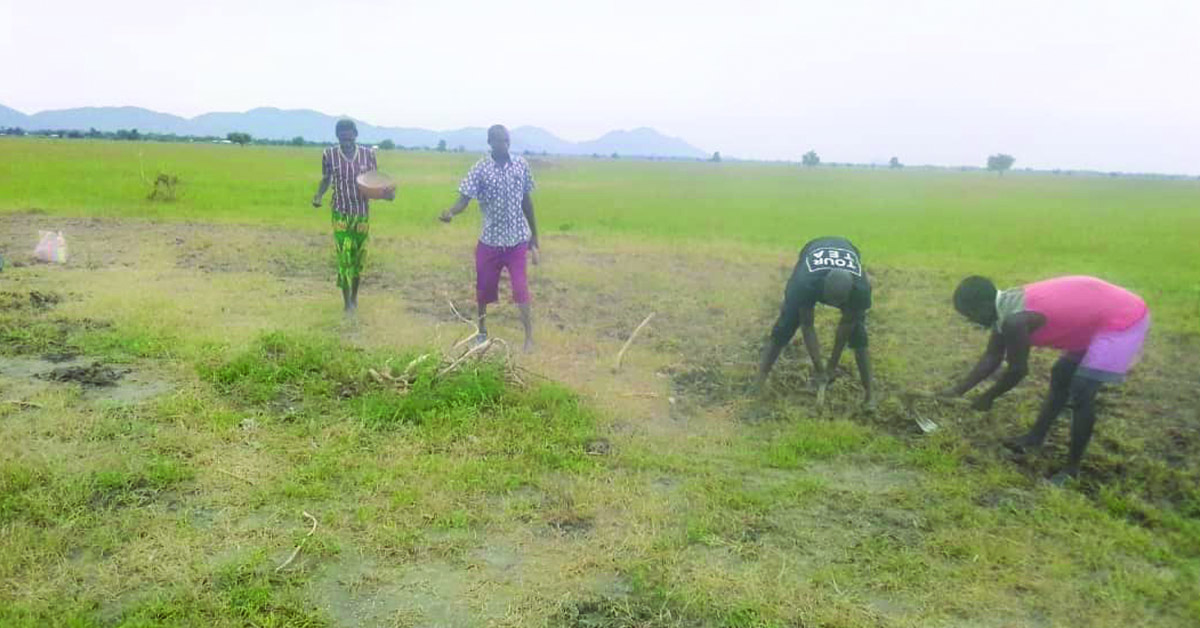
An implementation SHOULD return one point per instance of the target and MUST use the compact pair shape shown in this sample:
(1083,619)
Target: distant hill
(272,123)
(12,117)
(108,119)
(641,141)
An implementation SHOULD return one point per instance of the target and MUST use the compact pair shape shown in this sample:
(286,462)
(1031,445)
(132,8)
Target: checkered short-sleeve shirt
(500,190)
(343,171)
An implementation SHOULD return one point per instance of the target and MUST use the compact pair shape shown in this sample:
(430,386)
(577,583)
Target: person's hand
(389,194)
(982,403)
(446,216)
(534,256)
(316,202)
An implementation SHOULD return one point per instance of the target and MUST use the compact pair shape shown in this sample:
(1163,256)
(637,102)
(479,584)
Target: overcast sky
(1110,85)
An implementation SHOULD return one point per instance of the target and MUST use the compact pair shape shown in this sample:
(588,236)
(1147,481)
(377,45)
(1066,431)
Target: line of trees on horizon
(236,137)
(999,163)
(134,135)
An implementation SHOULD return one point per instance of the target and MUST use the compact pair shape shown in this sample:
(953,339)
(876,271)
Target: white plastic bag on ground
(51,248)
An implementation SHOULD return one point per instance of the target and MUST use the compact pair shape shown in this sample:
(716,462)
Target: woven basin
(375,184)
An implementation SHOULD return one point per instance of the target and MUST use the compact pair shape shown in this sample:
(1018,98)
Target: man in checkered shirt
(502,184)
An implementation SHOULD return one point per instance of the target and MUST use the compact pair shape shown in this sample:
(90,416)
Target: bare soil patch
(94,374)
(99,382)
(35,300)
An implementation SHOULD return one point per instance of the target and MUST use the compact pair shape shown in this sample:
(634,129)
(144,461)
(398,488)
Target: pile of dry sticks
(466,353)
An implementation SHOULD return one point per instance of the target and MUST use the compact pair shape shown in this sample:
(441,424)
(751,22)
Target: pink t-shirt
(1077,308)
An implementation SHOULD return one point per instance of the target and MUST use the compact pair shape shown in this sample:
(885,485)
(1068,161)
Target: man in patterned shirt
(341,165)
(501,183)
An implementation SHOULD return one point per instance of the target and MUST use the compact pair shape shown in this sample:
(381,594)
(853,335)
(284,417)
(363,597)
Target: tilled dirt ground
(708,347)
(686,379)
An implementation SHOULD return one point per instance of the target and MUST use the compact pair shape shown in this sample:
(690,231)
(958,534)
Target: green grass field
(550,490)
(1139,233)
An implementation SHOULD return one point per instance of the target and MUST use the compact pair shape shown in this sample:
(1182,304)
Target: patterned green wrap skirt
(350,236)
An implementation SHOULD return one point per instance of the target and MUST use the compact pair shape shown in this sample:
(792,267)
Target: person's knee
(858,338)
(1062,374)
(1083,392)
(782,334)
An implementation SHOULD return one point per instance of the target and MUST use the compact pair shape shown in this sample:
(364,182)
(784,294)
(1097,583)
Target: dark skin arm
(841,337)
(527,207)
(455,209)
(1012,343)
(808,331)
(862,356)
(991,359)
(1016,347)
(321,189)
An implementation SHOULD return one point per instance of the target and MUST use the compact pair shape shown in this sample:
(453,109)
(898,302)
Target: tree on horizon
(239,138)
(1000,162)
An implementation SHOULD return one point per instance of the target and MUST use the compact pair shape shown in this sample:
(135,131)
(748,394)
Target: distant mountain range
(281,124)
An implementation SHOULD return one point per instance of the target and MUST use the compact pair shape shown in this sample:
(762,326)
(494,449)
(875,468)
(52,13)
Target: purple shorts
(1112,353)
(489,260)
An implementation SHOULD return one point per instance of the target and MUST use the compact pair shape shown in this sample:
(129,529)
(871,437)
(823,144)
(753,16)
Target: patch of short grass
(807,440)
(282,367)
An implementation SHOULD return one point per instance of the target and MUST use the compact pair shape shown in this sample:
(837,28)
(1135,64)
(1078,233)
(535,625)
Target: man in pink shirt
(1099,327)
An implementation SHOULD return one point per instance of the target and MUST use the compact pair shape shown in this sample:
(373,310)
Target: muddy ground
(687,377)
(708,331)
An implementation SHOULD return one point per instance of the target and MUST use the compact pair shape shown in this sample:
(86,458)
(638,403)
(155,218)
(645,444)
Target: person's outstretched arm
(991,359)
(808,331)
(846,325)
(455,209)
(1016,348)
(862,357)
